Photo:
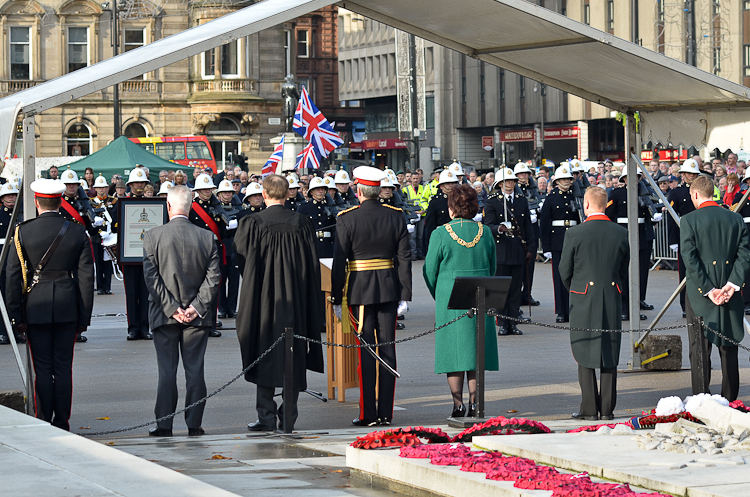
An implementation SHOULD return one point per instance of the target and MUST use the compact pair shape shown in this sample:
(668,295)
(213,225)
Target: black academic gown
(280,288)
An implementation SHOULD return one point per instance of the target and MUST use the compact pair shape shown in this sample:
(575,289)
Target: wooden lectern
(342,363)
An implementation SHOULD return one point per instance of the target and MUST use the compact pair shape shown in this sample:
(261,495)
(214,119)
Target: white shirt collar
(178,215)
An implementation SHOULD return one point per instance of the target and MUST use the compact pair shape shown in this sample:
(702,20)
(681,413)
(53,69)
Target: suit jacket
(593,265)
(181,268)
(61,300)
(710,264)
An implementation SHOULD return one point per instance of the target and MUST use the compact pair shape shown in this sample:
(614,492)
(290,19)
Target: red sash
(74,213)
(198,208)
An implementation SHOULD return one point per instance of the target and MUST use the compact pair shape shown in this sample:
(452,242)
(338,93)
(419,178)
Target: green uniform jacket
(455,345)
(714,249)
(593,264)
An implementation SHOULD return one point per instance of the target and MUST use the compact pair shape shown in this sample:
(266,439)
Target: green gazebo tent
(122,155)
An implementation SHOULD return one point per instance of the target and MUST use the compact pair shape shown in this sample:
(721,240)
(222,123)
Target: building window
(481,81)
(429,105)
(78,49)
(229,63)
(746,60)
(20,53)
(134,38)
(716,54)
(611,16)
(135,130)
(586,12)
(78,140)
(522,87)
(304,43)
(502,85)
(308,83)
(746,4)
(287,52)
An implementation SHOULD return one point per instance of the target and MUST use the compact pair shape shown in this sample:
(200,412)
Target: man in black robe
(280,270)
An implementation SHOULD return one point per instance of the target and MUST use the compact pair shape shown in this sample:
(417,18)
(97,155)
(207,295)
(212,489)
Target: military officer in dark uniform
(528,188)
(54,306)
(593,272)
(372,245)
(745,213)
(253,199)
(559,213)
(230,278)
(342,182)
(295,197)
(8,197)
(617,212)
(103,268)
(679,199)
(437,210)
(205,214)
(322,217)
(506,214)
(136,292)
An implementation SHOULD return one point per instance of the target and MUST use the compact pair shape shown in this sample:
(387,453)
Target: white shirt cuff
(196,311)
(736,288)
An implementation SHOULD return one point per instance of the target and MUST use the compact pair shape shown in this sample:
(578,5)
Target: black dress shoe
(100,292)
(219,324)
(222,315)
(684,314)
(643,317)
(231,315)
(159,432)
(606,417)
(459,412)
(214,333)
(108,292)
(502,330)
(561,319)
(747,310)
(515,331)
(472,413)
(4,340)
(81,338)
(578,415)
(534,303)
(401,317)
(132,335)
(400,326)
(146,336)
(20,339)
(258,426)
(524,320)
(645,306)
(384,421)
(364,422)
(196,432)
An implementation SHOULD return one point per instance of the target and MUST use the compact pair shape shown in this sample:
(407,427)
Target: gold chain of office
(463,242)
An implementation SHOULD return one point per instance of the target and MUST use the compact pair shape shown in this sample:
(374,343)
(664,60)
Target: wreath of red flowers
(739,405)
(651,420)
(501,426)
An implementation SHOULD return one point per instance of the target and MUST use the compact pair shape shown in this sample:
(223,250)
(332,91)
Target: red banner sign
(386,144)
(665,155)
(488,143)
(525,135)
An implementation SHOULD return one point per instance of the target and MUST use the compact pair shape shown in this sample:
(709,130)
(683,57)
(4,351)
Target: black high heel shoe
(472,411)
(459,412)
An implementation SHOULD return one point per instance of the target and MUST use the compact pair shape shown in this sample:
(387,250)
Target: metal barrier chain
(720,335)
(393,342)
(204,399)
(592,330)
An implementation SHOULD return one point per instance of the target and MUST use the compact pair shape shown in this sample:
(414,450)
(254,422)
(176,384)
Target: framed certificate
(135,217)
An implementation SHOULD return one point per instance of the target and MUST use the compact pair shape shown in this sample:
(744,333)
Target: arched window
(135,130)
(78,140)
(224,126)
(224,138)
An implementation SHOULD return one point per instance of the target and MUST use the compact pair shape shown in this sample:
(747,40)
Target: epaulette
(493,195)
(391,207)
(347,210)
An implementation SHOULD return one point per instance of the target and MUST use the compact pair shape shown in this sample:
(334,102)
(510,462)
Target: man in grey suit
(182,273)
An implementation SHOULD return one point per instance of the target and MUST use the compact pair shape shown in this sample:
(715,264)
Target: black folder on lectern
(464,294)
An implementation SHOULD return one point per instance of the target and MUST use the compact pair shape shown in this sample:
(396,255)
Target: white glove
(533,218)
(674,247)
(657,217)
(415,220)
(477,218)
(547,255)
(402,308)
(337,311)
(232,224)
(410,228)
(98,221)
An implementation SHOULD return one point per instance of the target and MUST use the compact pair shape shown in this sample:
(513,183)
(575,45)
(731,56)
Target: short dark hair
(276,187)
(463,201)
(49,204)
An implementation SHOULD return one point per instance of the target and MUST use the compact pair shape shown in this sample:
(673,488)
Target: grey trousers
(170,341)
(595,400)
(266,407)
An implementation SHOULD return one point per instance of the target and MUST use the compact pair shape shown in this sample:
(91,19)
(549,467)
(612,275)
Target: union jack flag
(273,162)
(308,158)
(310,123)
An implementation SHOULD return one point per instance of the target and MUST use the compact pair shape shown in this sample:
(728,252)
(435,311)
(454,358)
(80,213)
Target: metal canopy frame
(512,34)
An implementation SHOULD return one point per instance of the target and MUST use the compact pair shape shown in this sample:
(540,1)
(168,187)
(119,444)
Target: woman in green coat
(460,248)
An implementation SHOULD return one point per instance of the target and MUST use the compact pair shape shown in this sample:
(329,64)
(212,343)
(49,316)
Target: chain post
(288,420)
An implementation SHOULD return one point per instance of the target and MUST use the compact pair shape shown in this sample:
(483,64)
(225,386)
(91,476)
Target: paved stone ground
(116,379)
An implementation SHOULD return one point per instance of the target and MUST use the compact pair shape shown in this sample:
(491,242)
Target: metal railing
(225,85)
(661,251)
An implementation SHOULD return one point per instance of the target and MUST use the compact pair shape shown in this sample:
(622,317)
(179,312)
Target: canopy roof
(513,34)
(122,155)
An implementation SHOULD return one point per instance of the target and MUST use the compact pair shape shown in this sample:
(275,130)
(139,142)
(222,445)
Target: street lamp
(542,89)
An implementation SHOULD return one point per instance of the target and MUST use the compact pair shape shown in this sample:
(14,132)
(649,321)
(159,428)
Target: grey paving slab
(618,458)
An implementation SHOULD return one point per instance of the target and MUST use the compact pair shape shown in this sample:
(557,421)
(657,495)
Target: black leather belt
(54,275)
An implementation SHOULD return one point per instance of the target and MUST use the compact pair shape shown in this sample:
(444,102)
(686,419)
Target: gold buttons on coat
(714,263)
(591,283)
(613,283)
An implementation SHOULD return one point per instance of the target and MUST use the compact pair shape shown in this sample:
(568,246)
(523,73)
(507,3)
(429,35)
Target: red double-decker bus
(192,151)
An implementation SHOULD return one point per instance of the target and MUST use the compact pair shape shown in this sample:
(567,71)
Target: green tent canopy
(122,155)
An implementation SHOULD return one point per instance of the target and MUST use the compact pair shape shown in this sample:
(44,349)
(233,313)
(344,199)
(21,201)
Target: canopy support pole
(634,286)
(29,212)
